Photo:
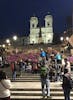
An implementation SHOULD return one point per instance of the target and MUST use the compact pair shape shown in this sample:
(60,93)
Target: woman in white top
(5,85)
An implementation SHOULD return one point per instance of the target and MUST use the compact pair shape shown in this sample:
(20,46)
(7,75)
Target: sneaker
(48,97)
(43,96)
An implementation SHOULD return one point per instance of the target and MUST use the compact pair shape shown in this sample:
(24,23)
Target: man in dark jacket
(66,85)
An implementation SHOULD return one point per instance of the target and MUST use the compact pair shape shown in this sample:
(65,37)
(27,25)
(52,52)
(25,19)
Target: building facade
(43,34)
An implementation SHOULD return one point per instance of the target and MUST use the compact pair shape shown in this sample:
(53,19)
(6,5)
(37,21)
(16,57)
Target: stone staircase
(28,77)
(28,87)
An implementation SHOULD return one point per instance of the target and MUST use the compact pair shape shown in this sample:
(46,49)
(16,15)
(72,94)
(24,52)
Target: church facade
(41,34)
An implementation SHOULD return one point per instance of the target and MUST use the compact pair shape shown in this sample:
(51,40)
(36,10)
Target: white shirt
(5,88)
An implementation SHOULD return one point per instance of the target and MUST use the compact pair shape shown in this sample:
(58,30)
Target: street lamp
(67,38)
(61,38)
(9,44)
(14,41)
(7,41)
(3,45)
(15,37)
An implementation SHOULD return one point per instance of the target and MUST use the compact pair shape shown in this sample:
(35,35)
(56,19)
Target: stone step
(28,78)
(34,93)
(30,74)
(25,80)
(29,88)
(34,85)
(37,93)
(26,97)
(37,98)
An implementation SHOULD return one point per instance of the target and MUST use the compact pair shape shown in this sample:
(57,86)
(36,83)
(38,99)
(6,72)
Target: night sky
(15,15)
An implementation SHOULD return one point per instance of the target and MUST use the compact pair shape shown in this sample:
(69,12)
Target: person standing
(58,59)
(67,65)
(20,66)
(5,85)
(42,53)
(66,85)
(44,74)
(14,68)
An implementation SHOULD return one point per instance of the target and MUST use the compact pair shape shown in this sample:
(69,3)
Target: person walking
(66,85)
(58,59)
(14,70)
(44,74)
(5,85)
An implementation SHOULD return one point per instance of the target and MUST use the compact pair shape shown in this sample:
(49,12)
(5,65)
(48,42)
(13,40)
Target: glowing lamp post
(3,45)
(67,38)
(15,38)
(7,41)
(14,41)
(61,38)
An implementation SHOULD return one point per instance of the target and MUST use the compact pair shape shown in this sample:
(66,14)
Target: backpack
(43,71)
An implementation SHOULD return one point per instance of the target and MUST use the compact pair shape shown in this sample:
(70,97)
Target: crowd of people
(55,68)
(55,60)
(52,66)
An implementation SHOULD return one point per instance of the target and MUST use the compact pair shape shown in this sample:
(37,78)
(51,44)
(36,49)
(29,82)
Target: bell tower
(47,31)
(34,30)
(48,21)
(33,22)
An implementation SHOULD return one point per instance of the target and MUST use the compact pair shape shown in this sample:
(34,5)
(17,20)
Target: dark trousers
(67,94)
